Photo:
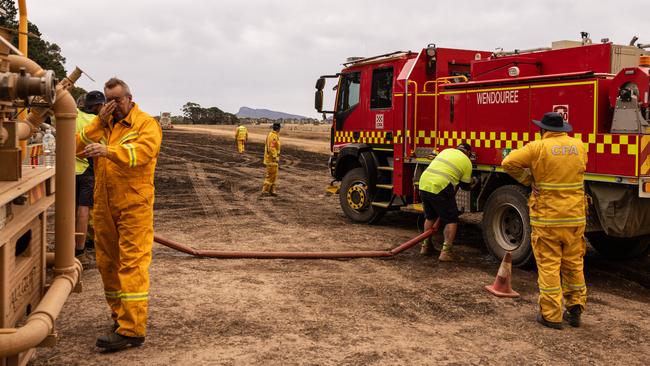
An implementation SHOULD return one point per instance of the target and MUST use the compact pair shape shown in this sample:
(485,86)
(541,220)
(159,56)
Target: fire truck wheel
(355,199)
(506,226)
(619,248)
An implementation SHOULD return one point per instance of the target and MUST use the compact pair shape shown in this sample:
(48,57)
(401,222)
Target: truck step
(413,208)
(386,168)
(333,189)
(385,186)
(387,204)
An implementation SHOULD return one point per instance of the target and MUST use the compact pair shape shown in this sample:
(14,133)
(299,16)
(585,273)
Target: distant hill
(245,112)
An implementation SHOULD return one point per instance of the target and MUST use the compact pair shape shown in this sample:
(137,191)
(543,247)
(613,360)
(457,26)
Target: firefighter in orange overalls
(271,160)
(241,136)
(554,167)
(125,142)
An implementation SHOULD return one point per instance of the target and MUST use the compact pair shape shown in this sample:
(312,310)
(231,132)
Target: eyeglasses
(117,100)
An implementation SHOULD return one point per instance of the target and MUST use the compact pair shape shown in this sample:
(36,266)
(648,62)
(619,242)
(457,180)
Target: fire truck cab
(394,112)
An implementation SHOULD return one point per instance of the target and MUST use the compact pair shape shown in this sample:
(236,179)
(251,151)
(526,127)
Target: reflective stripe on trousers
(270,178)
(559,253)
(123,243)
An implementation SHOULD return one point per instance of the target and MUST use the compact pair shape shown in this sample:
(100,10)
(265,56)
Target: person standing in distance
(271,160)
(241,136)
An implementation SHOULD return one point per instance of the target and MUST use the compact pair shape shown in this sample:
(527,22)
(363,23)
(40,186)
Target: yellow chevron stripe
(133,160)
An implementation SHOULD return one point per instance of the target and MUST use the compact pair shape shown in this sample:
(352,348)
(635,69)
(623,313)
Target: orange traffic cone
(501,286)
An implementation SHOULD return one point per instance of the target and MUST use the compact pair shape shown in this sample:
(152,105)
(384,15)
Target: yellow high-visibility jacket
(83,120)
(450,166)
(241,133)
(133,146)
(272,148)
(556,164)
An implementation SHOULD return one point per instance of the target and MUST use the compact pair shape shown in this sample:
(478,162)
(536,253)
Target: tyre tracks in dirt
(202,178)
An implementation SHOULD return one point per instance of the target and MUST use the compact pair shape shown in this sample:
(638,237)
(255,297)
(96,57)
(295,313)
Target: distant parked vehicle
(166,121)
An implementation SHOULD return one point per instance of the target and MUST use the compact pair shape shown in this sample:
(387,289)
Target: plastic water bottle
(49,149)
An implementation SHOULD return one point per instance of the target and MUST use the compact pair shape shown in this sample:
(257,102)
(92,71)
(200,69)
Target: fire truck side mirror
(320,83)
(318,100)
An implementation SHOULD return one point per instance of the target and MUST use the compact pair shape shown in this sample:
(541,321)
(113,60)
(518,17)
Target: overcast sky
(268,54)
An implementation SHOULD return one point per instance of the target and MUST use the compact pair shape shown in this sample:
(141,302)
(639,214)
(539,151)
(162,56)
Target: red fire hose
(296,255)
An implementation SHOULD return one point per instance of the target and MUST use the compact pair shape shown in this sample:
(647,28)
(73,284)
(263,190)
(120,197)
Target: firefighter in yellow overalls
(241,136)
(125,143)
(554,167)
(271,160)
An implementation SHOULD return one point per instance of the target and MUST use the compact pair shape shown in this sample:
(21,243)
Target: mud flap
(620,210)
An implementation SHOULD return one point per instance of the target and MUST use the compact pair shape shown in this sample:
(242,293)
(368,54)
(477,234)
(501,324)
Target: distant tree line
(194,113)
(47,55)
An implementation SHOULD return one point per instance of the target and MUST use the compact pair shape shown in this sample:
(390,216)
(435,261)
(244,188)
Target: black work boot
(114,342)
(546,323)
(572,315)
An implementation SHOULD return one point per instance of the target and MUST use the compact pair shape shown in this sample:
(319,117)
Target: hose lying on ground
(296,255)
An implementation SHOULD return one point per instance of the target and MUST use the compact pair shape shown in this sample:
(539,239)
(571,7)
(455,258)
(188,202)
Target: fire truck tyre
(619,248)
(355,200)
(506,226)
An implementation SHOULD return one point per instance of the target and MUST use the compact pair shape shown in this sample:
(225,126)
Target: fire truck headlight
(431,51)
(513,71)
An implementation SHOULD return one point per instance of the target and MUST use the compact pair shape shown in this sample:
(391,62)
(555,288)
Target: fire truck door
(381,99)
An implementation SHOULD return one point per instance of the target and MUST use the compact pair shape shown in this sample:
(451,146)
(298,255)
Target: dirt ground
(410,310)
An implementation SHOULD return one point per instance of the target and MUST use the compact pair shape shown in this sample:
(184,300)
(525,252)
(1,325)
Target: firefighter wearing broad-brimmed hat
(272,160)
(554,167)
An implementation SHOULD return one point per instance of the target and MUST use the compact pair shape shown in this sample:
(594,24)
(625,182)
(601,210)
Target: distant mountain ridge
(245,112)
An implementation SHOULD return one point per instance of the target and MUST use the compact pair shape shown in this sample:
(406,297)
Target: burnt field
(410,310)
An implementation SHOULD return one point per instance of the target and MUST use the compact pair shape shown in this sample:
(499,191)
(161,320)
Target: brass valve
(22,86)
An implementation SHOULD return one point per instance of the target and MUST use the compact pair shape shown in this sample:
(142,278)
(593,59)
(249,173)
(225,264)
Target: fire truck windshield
(349,92)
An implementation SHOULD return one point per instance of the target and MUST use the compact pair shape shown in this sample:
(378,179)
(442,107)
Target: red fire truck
(393,112)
